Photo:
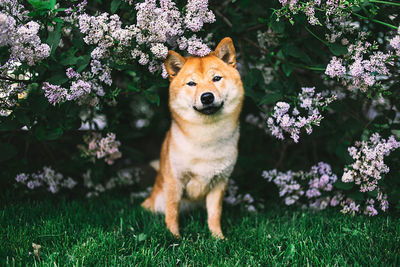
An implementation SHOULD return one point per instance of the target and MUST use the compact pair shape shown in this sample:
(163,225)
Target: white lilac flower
(196,47)
(197,13)
(335,68)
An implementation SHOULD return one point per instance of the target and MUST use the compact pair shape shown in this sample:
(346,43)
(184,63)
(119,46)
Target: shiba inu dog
(201,147)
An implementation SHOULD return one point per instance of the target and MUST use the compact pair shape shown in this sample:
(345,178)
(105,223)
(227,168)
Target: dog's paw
(219,236)
(175,233)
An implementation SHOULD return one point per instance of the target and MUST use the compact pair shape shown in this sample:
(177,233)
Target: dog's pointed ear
(226,51)
(173,63)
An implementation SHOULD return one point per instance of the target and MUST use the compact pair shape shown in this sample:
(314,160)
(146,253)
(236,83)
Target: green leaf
(287,69)
(54,37)
(58,20)
(338,49)
(82,63)
(43,133)
(7,151)
(52,4)
(270,98)
(252,78)
(277,26)
(42,5)
(69,58)
(152,97)
(115,5)
(22,117)
(345,186)
(357,196)
(58,78)
(294,51)
(373,194)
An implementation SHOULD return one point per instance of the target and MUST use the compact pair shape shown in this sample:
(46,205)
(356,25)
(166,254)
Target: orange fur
(199,151)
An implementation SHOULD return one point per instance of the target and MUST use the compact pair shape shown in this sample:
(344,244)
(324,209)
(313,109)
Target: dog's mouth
(210,109)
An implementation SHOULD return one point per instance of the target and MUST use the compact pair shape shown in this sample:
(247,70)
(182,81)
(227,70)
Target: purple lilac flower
(48,177)
(71,74)
(349,206)
(232,197)
(368,166)
(98,147)
(21,178)
(54,93)
(281,121)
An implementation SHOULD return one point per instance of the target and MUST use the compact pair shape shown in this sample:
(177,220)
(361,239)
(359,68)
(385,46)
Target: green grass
(112,231)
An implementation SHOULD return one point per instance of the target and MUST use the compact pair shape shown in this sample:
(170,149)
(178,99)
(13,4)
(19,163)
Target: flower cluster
(314,189)
(349,206)
(21,37)
(81,86)
(395,42)
(10,91)
(197,13)
(232,197)
(311,186)
(159,24)
(329,8)
(101,147)
(123,178)
(49,178)
(368,166)
(267,39)
(282,120)
(25,44)
(362,67)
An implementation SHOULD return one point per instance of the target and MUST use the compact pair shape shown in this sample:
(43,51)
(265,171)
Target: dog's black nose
(207,98)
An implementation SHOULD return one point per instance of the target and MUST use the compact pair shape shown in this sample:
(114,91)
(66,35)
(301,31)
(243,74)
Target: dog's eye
(191,83)
(216,78)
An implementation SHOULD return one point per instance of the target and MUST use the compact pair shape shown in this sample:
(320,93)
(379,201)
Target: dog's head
(204,88)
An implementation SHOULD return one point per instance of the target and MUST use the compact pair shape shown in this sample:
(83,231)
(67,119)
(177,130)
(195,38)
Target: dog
(200,149)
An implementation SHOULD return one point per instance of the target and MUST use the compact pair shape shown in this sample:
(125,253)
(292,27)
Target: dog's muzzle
(209,109)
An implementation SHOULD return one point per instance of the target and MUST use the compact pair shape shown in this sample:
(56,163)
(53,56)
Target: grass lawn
(110,230)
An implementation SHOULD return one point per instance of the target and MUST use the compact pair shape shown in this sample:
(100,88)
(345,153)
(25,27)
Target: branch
(224,18)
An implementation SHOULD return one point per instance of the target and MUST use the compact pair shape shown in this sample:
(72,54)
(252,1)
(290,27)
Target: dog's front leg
(172,198)
(214,209)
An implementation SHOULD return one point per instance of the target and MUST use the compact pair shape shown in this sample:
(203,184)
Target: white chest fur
(204,156)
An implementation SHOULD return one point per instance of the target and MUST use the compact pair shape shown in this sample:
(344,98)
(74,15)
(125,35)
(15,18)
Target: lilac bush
(93,71)
(315,189)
